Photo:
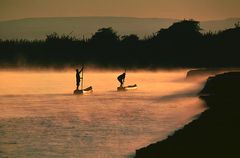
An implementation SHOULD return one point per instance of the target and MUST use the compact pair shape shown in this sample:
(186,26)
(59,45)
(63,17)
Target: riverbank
(203,73)
(215,133)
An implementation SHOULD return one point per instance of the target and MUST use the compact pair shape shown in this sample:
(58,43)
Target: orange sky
(196,9)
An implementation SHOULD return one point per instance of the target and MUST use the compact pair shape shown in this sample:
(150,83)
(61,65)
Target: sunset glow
(119,78)
(200,10)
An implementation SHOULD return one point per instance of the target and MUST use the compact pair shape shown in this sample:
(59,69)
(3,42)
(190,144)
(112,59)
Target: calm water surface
(39,116)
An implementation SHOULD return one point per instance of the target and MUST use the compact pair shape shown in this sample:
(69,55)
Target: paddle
(125,76)
(82,77)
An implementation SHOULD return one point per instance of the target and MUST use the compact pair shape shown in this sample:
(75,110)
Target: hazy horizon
(189,9)
(37,28)
(158,18)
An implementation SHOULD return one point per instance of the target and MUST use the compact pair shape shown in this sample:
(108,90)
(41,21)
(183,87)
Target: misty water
(40,117)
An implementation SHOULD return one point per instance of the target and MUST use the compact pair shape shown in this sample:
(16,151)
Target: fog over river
(40,117)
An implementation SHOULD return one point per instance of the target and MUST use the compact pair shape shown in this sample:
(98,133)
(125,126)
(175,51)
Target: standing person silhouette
(121,79)
(78,78)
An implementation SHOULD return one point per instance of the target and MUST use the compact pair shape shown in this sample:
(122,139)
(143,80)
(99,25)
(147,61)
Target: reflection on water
(39,116)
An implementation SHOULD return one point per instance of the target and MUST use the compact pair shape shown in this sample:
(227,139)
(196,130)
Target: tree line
(180,45)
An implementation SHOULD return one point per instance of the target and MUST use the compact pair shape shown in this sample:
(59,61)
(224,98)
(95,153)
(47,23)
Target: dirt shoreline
(215,133)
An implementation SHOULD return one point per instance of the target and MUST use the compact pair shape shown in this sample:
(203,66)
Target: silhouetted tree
(105,35)
(182,28)
(130,38)
(180,45)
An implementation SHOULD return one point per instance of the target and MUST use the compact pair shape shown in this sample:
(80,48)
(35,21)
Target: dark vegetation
(215,133)
(226,84)
(180,45)
(206,72)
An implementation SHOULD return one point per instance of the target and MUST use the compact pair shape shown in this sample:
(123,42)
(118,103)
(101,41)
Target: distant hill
(217,25)
(37,28)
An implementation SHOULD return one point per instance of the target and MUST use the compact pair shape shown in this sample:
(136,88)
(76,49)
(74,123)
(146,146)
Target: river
(40,117)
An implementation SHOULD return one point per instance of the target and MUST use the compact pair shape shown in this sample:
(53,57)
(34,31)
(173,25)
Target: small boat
(127,88)
(84,91)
